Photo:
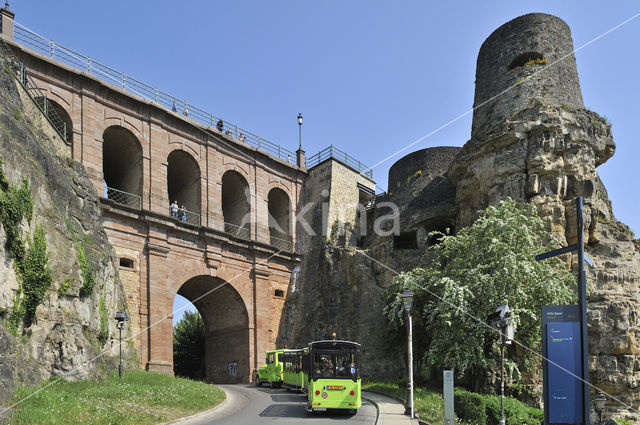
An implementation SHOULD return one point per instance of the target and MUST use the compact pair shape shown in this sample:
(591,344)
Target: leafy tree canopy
(188,346)
(482,267)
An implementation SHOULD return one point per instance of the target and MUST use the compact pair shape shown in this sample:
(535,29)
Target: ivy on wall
(32,264)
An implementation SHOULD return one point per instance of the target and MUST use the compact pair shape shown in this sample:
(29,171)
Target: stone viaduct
(231,252)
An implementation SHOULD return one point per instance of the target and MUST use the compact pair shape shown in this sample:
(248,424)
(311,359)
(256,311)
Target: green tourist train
(328,371)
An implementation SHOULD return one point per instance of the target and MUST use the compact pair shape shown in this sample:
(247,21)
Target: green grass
(428,403)
(140,398)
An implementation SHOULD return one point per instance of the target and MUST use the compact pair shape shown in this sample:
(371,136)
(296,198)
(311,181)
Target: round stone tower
(527,60)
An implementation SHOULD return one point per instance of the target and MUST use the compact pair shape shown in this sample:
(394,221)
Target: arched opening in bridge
(58,115)
(279,218)
(235,203)
(122,164)
(183,184)
(226,328)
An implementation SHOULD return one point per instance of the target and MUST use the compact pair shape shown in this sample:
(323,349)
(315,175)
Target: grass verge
(428,403)
(140,398)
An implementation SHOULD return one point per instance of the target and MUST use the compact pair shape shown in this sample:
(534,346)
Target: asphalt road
(249,405)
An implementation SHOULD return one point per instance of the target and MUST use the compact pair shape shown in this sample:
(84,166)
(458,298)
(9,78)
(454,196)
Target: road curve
(248,405)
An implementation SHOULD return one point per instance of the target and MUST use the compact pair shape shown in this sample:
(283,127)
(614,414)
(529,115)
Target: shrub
(479,409)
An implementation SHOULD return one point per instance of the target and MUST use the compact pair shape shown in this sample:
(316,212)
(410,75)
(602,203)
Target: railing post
(236,131)
(88,64)
(51,52)
(124,81)
(155,95)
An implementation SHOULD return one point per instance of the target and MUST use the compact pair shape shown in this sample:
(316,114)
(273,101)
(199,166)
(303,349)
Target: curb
(378,418)
(379,422)
(226,401)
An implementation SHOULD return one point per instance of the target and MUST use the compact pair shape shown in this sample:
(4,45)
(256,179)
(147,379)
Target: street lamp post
(300,131)
(121,317)
(600,401)
(500,320)
(407,300)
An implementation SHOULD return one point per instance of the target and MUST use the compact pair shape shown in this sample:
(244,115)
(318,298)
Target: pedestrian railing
(337,154)
(38,43)
(15,67)
(185,216)
(280,244)
(237,231)
(124,198)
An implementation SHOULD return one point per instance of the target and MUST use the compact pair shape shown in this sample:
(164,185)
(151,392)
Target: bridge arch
(184,180)
(226,323)
(122,160)
(279,207)
(236,199)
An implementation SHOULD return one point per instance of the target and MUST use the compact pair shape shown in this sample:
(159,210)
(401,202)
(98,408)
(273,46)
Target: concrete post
(7,22)
(301,160)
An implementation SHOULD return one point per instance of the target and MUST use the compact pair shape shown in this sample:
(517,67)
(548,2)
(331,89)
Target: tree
(485,265)
(188,346)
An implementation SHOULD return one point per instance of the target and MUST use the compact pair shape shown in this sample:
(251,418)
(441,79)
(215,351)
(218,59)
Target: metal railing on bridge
(345,158)
(280,244)
(124,198)
(38,43)
(237,231)
(185,216)
(11,64)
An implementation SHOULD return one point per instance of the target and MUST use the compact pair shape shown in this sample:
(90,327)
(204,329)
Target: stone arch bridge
(229,247)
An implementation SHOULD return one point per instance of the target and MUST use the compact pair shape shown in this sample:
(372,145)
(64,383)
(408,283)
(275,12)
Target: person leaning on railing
(220,126)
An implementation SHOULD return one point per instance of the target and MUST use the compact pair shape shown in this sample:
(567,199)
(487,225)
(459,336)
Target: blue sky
(368,76)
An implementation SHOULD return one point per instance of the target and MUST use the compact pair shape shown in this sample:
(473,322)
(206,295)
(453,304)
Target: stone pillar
(160,304)
(301,160)
(263,332)
(7,22)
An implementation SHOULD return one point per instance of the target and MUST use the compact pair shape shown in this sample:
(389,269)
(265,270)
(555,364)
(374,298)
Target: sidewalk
(390,411)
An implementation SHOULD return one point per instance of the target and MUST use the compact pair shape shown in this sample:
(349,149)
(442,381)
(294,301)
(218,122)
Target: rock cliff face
(67,330)
(534,142)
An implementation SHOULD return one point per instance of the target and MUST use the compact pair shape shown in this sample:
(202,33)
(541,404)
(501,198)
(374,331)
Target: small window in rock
(405,240)
(527,59)
(126,262)
(434,239)
(279,293)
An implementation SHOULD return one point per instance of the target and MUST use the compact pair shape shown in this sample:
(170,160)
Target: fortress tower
(527,59)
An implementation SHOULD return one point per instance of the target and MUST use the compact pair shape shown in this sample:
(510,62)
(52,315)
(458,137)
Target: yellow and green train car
(270,372)
(333,375)
(293,374)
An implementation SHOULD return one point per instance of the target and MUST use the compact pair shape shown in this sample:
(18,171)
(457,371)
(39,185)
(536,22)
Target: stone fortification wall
(501,69)
(63,335)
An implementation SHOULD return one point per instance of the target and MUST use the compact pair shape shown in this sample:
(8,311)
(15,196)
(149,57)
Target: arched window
(279,209)
(236,207)
(183,186)
(122,166)
(58,116)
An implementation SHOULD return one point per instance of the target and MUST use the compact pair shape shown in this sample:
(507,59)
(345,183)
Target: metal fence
(237,231)
(40,44)
(12,65)
(185,216)
(279,243)
(337,154)
(123,198)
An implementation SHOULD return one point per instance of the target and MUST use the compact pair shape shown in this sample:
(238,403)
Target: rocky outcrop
(62,338)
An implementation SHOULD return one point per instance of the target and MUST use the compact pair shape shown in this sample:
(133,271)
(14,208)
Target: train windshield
(335,365)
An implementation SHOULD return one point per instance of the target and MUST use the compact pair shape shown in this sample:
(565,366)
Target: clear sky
(369,76)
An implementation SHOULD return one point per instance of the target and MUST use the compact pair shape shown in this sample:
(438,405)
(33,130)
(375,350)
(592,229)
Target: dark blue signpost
(560,347)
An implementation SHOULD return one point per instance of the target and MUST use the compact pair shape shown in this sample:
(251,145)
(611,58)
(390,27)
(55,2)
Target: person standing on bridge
(220,126)
(183,213)
(174,209)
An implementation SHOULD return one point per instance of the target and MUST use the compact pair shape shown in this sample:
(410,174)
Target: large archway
(226,323)
(183,184)
(236,204)
(279,210)
(122,165)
